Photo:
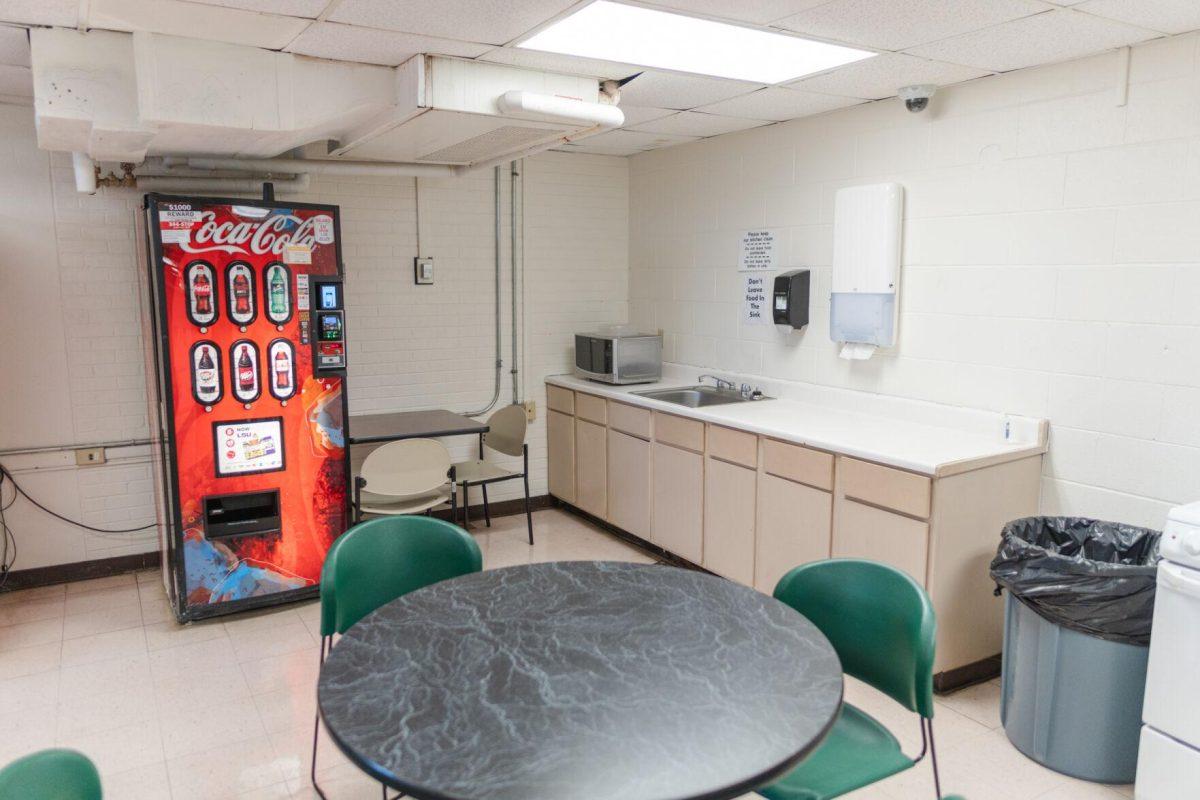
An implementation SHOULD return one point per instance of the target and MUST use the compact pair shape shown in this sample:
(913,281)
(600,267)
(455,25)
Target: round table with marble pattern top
(583,679)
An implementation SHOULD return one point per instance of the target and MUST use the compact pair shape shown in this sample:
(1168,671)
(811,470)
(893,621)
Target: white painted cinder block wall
(1051,261)
(71,364)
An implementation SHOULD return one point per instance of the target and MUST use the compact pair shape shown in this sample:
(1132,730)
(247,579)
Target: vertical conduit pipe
(499,363)
(516,174)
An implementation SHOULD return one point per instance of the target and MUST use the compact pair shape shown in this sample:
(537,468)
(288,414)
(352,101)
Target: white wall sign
(758,249)
(755,304)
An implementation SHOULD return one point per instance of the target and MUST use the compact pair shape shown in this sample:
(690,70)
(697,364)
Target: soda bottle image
(241,294)
(278,293)
(245,371)
(202,294)
(283,370)
(206,383)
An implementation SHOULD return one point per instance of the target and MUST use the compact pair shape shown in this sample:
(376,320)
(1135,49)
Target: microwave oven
(618,358)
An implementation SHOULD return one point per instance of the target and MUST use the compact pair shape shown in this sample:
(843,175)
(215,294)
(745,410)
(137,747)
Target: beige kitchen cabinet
(591,467)
(729,510)
(793,528)
(868,532)
(677,478)
(629,483)
(560,455)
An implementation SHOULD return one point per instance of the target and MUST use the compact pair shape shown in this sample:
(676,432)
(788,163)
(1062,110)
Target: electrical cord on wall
(8,551)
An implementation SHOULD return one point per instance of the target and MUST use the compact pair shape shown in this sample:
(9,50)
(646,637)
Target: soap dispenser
(789,303)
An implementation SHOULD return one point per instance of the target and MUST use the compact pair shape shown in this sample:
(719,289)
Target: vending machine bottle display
(253,469)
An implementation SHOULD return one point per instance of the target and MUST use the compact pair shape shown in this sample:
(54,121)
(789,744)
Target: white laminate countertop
(917,446)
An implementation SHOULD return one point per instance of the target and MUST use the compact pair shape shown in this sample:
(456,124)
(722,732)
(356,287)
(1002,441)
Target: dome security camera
(916,98)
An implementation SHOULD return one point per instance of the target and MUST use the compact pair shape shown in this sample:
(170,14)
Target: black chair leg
(316,730)
(466,506)
(487,512)
(937,780)
(528,513)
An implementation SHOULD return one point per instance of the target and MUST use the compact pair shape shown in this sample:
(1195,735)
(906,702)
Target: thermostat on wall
(424,270)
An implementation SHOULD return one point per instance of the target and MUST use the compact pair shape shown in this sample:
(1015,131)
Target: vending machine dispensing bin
(245,330)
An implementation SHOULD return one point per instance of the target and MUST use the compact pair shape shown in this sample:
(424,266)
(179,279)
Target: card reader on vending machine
(329,326)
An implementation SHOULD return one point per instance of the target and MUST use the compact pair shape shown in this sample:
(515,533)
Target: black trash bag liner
(1088,575)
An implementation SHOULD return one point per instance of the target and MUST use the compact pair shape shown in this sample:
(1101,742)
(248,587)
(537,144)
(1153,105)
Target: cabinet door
(864,531)
(560,455)
(629,483)
(591,468)
(794,524)
(729,520)
(678,524)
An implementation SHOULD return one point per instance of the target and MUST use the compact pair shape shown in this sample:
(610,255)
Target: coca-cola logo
(271,235)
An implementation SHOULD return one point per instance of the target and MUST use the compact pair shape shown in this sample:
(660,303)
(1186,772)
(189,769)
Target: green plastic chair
(880,622)
(377,561)
(51,775)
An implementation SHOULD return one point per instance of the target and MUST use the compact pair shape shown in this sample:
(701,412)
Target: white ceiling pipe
(312,166)
(539,106)
(85,173)
(173,184)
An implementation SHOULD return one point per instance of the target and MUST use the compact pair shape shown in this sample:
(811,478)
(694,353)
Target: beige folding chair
(406,477)
(506,434)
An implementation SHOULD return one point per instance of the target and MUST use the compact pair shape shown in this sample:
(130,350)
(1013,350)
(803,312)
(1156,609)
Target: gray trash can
(1076,642)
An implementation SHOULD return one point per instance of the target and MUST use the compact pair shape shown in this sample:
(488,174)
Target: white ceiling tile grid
(756,11)
(309,9)
(371,46)
(491,21)
(693,123)
(1168,16)
(893,25)
(636,115)
(881,76)
(1058,35)
(557,62)
(40,12)
(778,104)
(625,143)
(14,46)
(176,18)
(681,92)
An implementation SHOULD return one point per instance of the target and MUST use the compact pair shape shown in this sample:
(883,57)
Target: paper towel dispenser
(789,304)
(866,268)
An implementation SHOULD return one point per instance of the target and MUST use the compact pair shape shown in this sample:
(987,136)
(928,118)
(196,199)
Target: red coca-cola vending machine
(245,331)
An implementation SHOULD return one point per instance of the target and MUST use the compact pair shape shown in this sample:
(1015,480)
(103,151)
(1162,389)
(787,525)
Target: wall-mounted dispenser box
(789,302)
(866,268)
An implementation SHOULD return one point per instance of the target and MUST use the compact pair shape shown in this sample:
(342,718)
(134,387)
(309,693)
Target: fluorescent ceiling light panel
(617,32)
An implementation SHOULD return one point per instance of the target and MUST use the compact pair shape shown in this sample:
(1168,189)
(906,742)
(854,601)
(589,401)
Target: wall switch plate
(423,270)
(89,456)
(530,410)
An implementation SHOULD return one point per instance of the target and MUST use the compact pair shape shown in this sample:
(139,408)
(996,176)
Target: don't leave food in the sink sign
(754,299)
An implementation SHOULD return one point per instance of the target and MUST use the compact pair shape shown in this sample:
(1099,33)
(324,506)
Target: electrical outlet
(530,410)
(89,456)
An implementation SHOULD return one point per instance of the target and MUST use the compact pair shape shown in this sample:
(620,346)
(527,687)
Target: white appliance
(863,312)
(1169,755)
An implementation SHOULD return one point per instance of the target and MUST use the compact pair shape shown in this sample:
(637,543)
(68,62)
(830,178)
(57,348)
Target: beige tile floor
(223,709)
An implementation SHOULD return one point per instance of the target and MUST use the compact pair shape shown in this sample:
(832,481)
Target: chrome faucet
(720,382)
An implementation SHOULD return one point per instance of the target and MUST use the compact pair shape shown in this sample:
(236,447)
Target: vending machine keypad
(329,322)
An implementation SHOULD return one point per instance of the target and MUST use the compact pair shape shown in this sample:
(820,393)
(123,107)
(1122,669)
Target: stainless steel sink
(696,396)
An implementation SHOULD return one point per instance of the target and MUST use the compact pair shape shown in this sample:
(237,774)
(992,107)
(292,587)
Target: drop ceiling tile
(291,8)
(597,150)
(693,123)
(759,11)
(491,21)
(778,104)
(892,25)
(1168,16)
(371,46)
(557,62)
(881,76)
(14,46)
(636,115)
(634,140)
(681,92)
(1059,35)
(40,12)
(175,18)
(1065,2)
(16,81)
